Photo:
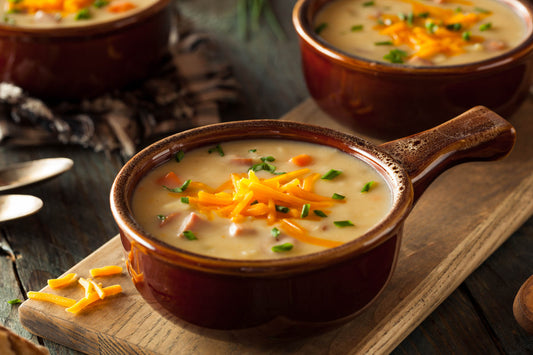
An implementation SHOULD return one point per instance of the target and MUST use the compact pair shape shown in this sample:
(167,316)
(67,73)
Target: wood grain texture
(463,217)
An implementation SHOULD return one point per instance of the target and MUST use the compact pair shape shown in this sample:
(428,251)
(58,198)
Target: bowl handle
(477,134)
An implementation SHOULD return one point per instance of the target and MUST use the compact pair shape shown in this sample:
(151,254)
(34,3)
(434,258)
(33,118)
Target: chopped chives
(342,224)
(305,210)
(383,43)
(282,247)
(14,301)
(356,28)
(337,196)
(319,213)
(217,149)
(184,199)
(189,235)
(367,186)
(275,232)
(485,26)
(179,155)
(331,174)
(282,209)
(321,27)
(179,189)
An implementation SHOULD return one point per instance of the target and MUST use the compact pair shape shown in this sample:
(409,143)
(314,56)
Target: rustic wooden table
(76,220)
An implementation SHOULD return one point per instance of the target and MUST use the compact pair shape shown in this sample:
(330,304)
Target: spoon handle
(477,134)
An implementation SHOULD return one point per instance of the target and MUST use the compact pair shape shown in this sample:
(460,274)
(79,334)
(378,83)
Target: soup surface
(421,32)
(260,199)
(67,13)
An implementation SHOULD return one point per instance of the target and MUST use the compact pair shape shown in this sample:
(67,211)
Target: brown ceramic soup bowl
(84,61)
(315,290)
(389,101)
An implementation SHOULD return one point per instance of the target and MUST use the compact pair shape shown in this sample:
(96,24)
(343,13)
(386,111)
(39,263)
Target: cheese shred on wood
(93,291)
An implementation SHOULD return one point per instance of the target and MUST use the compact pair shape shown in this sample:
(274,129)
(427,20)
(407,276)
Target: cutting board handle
(477,134)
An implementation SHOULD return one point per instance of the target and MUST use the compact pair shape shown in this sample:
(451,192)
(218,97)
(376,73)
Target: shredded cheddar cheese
(64,7)
(431,30)
(244,196)
(64,281)
(93,291)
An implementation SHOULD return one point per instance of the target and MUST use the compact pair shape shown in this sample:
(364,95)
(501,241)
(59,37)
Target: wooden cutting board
(464,216)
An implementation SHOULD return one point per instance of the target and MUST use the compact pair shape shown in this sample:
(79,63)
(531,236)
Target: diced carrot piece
(301,160)
(122,6)
(170,180)
(66,280)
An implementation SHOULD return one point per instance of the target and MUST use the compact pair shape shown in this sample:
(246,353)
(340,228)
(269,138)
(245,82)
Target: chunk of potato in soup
(421,32)
(260,199)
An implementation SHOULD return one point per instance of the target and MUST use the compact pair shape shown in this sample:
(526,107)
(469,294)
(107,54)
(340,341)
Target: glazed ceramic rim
(91,29)
(306,34)
(163,150)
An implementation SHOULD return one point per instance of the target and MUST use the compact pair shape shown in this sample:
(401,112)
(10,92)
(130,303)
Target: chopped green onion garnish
(423,15)
(431,27)
(282,247)
(217,149)
(100,3)
(331,174)
(189,235)
(179,155)
(161,217)
(319,213)
(179,189)
(253,150)
(337,196)
(282,209)
(321,27)
(356,28)
(83,14)
(342,224)
(269,159)
(384,43)
(14,301)
(466,35)
(396,56)
(305,210)
(184,199)
(368,3)
(367,186)
(275,232)
(485,26)
(454,27)
(407,18)
(263,166)
(483,11)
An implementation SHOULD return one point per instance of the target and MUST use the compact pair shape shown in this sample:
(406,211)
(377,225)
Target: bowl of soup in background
(279,291)
(60,51)
(380,86)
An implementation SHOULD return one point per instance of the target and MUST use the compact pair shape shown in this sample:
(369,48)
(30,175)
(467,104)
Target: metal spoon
(26,173)
(15,206)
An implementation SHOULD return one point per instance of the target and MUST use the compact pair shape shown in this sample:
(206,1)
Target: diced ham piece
(168,219)
(420,61)
(238,229)
(190,223)
(241,161)
(495,45)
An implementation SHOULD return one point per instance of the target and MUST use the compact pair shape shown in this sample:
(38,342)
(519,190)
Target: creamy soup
(421,33)
(261,199)
(67,13)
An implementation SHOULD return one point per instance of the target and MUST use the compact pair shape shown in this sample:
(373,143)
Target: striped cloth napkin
(186,92)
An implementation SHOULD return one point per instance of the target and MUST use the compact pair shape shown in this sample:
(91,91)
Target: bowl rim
(110,25)
(163,150)
(522,7)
